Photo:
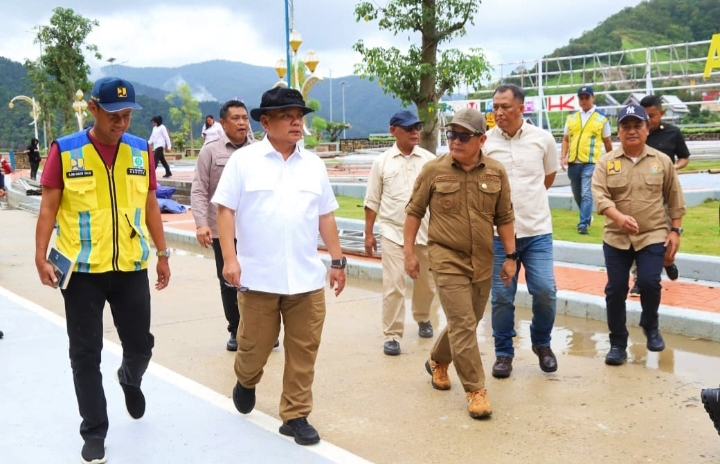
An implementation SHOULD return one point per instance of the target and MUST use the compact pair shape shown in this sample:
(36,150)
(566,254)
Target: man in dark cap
(586,132)
(275,197)
(389,186)
(99,186)
(636,188)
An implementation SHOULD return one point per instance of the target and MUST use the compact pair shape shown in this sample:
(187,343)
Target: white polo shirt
(528,157)
(277,206)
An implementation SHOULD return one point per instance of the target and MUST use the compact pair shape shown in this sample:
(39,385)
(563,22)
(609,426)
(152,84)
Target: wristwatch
(678,230)
(514,255)
(338,263)
(163,253)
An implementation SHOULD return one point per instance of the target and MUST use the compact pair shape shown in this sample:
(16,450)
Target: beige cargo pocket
(83,193)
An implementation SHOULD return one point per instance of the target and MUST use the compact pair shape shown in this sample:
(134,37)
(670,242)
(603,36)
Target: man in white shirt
(586,133)
(389,186)
(160,140)
(529,155)
(275,197)
(211,129)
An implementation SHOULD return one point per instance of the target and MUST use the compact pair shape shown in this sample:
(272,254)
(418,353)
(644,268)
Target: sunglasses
(461,136)
(418,126)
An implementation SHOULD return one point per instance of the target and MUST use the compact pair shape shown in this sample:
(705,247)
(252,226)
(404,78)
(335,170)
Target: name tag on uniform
(136,172)
(74,174)
(614,167)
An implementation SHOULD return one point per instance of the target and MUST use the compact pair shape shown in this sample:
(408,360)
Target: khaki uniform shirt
(648,190)
(389,186)
(211,161)
(464,206)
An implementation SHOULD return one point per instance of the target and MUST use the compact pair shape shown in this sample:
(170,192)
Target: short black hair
(231,104)
(650,101)
(157,120)
(210,116)
(518,93)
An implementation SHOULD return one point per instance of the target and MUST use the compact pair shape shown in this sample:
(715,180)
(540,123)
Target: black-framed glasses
(418,126)
(461,136)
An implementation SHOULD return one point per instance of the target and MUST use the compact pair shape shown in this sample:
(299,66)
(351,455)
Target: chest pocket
(617,184)
(221,161)
(447,197)
(489,192)
(82,193)
(650,187)
(393,184)
(137,191)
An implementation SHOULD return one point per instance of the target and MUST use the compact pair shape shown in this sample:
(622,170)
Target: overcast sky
(162,33)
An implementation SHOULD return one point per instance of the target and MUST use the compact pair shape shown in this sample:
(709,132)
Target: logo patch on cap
(122,92)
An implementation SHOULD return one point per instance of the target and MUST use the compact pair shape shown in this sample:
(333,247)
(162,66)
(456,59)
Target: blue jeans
(580,175)
(536,254)
(649,267)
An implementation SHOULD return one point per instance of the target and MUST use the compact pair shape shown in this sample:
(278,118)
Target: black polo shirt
(669,140)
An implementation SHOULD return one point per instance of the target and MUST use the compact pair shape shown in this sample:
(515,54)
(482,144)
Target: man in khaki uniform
(467,194)
(212,159)
(389,186)
(632,187)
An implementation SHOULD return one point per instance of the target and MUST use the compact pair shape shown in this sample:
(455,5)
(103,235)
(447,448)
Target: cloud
(142,34)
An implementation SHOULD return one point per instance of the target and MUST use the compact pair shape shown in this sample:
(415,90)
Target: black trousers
(228,293)
(128,294)
(34,165)
(159,153)
(649,267)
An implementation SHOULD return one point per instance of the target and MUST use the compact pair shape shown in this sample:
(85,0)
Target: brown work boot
(502,367)
(478,404)
(440,379)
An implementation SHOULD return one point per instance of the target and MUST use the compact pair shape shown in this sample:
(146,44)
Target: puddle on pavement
(574,336)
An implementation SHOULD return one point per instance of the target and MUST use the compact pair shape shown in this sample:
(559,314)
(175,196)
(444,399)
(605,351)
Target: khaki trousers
(464,305)
(394,284)
(303,316)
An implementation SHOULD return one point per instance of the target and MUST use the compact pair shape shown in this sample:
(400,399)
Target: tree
(423,74)
(61,70)
(334,129)
(187,114)
(318,126)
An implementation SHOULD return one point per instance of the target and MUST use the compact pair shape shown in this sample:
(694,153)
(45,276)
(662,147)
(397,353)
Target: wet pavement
(383,408)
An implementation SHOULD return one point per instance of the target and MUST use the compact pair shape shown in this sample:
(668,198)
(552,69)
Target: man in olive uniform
(467,194)
(636,188)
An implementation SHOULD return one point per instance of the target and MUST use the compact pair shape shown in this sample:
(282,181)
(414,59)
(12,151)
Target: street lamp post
(80,105)
(34,113)
(343,84)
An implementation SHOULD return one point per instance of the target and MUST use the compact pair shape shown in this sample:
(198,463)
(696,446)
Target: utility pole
(331,120)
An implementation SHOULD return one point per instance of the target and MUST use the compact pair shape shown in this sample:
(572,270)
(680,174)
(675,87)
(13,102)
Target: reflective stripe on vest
(585,142)
(101,219)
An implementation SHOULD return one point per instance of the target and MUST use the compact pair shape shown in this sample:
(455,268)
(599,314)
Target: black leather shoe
(93,451)
(134,399)
(502,367)
(425,329)
(548,361)
(672,272)
(635,290)
(304,433)
(277,343)
(711,401)
(391,348)
(616,356)
(654,340)
(232,343)
(243,398)
(1,334)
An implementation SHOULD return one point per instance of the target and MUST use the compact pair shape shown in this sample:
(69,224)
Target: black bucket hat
(277,98)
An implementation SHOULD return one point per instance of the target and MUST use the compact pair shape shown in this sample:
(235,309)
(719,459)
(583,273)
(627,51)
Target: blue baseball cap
(632,111)
(114,94)
(404,118)
(586,89)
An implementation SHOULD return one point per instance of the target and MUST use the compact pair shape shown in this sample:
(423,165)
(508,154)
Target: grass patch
(701,165)
(701,236)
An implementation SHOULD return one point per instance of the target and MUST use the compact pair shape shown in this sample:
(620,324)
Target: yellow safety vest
(101,220)
(585,142)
